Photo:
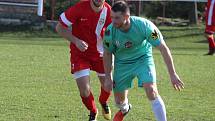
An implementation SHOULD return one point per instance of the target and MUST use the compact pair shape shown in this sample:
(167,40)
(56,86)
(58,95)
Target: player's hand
(81,45)
(108,82)
(176,82)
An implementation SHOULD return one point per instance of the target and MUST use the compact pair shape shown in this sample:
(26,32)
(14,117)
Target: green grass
(36,84)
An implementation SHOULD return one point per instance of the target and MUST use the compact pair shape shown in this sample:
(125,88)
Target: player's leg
(103,98)
(97,65)
(157,103)
(211,43)
(121,100)
(147,79)
(83,82)
(80,68)
(104,93)
(209,35)
(122,81)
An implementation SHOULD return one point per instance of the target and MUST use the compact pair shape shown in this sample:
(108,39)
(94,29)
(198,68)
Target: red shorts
(79,63)
(210,29)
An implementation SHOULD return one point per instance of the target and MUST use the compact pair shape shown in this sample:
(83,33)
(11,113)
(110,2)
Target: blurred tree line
(58,7)
(149,9)
(170,9)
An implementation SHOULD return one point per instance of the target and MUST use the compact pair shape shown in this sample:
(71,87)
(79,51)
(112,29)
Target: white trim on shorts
(85,72)
(100,74)
(81,73)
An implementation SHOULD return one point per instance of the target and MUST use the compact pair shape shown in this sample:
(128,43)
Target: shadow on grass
(41,43)
(202,41)
(185,35)
(187,48)
(26,32)
(193,54)
(183,54)
(180,29)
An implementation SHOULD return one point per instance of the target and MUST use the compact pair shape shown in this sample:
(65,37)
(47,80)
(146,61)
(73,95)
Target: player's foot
(106,112)
(93,116)
(119,116)
(211,52)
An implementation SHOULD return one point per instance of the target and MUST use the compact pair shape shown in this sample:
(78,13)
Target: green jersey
(134,44)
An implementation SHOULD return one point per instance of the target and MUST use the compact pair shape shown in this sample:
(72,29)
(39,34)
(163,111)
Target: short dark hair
(120,6)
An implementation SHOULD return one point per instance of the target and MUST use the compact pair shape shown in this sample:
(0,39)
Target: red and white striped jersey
(88,26)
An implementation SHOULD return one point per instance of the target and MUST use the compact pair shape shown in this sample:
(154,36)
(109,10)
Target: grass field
(36,84)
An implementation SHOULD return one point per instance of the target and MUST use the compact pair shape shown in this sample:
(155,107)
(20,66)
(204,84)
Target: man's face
(98,3)
(118,19)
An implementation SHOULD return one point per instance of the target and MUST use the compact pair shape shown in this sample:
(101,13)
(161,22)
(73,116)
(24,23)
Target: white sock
(159,109)
(124,107)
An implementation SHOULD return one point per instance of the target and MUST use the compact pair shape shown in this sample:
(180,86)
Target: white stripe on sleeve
(211,12)
(65,20)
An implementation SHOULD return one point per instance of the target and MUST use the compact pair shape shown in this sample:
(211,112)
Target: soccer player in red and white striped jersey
(84,25)
(210,26)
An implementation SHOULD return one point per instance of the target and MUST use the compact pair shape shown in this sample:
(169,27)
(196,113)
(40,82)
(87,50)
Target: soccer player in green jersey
(130,40)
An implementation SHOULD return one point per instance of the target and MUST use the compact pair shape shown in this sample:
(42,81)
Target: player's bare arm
(66,33)
(107,60)
(165,52)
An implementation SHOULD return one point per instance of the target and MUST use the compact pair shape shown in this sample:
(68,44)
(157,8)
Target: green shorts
(125,73)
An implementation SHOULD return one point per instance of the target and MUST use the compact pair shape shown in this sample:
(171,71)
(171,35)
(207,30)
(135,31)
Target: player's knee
(151,92)
(85,92)
(83,86)
(152,96)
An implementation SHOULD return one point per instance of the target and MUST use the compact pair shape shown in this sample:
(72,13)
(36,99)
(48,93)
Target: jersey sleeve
(108,42)
(70,16)
(153,35)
